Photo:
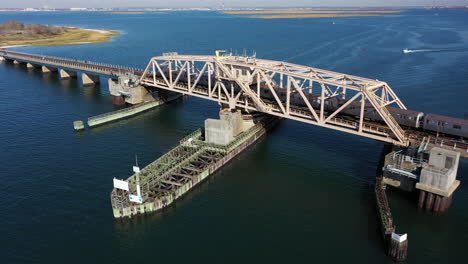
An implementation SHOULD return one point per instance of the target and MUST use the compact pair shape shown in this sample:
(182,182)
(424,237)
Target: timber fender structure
(397,245)
(175,173)
(127,112)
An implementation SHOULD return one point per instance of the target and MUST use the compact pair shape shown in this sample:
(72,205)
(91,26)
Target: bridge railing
(84,65)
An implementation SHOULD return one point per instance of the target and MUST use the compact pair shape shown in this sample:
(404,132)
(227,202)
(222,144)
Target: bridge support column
(89,79)
(65,74)
(114,89)
(16,62)
(438,179)
(30,65)
(138,95)
(127,90)
(46,69)
(223,130)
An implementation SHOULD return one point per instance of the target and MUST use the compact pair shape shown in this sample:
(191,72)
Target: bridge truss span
(311,95)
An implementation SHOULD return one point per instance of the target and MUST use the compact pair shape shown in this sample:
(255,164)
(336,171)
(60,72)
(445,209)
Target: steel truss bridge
(280,89)
(277,88)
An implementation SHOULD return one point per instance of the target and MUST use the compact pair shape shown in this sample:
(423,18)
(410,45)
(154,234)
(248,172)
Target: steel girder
(281,89)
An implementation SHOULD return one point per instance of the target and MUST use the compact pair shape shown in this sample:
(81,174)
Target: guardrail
(103,68)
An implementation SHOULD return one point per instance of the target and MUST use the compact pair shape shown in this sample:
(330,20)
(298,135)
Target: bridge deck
(70,64)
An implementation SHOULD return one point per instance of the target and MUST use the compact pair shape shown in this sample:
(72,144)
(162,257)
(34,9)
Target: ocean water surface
(300,194)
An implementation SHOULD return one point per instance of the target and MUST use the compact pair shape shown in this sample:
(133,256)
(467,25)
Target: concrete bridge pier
(432,174)
(223,130)
(117,98)
(47,69)
(127,90)
(16,62)
(66,74)
(6,60)
(89,79)
(30,65)
(438,181)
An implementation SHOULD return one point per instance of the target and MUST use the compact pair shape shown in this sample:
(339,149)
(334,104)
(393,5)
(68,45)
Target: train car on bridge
(437,124)
(446,125)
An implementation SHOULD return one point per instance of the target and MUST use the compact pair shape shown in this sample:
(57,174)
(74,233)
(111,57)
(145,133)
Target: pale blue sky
(228,3)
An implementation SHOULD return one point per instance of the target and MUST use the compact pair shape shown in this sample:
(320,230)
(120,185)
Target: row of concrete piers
(123,89)
(86,78)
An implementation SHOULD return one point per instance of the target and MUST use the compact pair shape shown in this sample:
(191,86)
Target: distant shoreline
(289,13)
(233,8)
(314,12)
(317,15)
(71,36)
(127,12)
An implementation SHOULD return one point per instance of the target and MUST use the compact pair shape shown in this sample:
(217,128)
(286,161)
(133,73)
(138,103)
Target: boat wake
(423,50)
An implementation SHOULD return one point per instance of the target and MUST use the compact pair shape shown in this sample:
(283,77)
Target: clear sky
(227,3)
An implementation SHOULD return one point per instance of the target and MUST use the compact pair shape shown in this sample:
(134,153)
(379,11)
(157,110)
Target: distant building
(78,9)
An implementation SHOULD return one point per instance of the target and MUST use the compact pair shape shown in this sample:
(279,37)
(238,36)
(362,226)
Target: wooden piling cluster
(384,210)
(434,202)
(397,250)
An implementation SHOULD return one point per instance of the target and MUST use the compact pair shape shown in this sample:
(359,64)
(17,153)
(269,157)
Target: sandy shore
(273,14)
(12,46)
(314,12)
(102,31)
(315,15)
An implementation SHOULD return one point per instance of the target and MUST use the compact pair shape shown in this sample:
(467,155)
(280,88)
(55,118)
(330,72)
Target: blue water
(301,194)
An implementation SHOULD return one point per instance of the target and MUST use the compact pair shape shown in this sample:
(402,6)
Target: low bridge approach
(67,68)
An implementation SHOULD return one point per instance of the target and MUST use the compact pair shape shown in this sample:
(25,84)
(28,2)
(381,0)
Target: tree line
(17,29)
